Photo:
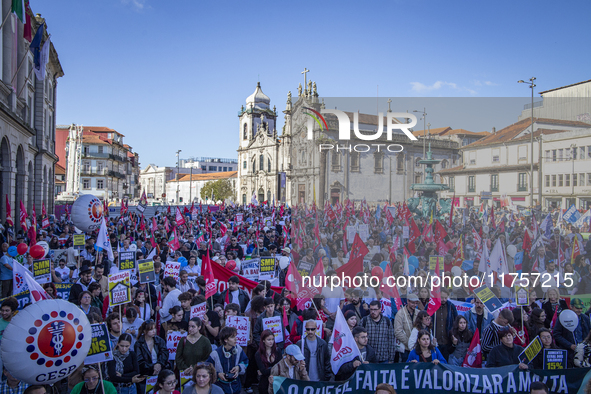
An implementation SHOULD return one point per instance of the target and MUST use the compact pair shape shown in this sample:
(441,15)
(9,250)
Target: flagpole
(101,376)
(5,19)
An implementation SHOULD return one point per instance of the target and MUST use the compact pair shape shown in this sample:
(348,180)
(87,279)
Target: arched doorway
(19,184)
(261,195)
(5,176)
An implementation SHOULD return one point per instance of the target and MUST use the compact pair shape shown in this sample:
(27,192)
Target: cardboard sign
(363,232)
(488,298)
(351,231)
(127,260)
(146,268)
(267,268)
(79,241)
(555,358)
(250,269)
(186,380)
(405,232)
(42,271)
(433,261)
(172,268)
(119,288)
(199,310)
(172,343)
(239,218)
(100,348)
(304,268)
(274,324)
(531,351)
(521,296)
(242,326)
(150,384)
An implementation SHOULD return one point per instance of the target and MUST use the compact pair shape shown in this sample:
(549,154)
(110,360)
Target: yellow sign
(147,274)
(531,351)
(42,271)
(433,260)
(119,288)
(521,296)
(79,241)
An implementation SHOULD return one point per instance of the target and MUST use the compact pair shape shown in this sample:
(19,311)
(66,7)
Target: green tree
(221,190)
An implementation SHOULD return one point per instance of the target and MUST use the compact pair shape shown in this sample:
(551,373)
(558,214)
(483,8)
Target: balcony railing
(494,188)
(117,158)
(92,171)
(521,187)
(116,174)
(95,155)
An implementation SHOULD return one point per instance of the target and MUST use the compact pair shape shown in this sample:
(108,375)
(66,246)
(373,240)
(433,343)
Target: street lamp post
(177,176)
(573,152)
(532,85)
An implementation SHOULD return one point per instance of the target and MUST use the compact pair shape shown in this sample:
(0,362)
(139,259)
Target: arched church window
(268,165)
(245,132)
(254,166)
(444,164)
(261,163)
(400,163)
(244,199)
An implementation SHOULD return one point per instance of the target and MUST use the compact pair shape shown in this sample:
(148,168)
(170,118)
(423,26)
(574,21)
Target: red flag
(441,248)
(179,219)
(166,227)
(355,263)
(223,229)
(286,327)
(435,300)
(8,213)
(554,318)
(185,210)
(168,210)
(33,228)
(451,213)
(576,249)
(473,358)
(23,217)
(173,241)
(428,233)
(439,232)
(44,219)
(210,287)
(344,243)
(142,225)
(389,217)
(493,223)
(526,241)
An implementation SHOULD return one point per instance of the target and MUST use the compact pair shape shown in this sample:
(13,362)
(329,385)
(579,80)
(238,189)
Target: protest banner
(304,268)
(242,326)
(488,298)
(531,351)
(79,240)
(23,298)
(42,271)
(172,342)
(150,384)
(363,232)
(172,268)
(267,268)
(127,260)
(351,231)
(250,269)
(428,378)
(146,268)
(555,359)
(521,296)
(274,324)
(222,274)
(433,261)
(100,348)
(239,219)
(119,288)
(63,290)
(199,310)
(405,232)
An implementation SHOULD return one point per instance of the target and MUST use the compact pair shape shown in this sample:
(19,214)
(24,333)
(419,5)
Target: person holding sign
(92,382)
(507,353)
(193,348)
(229,361)
(124,370)
(568,337)
(259,325)
(547,343)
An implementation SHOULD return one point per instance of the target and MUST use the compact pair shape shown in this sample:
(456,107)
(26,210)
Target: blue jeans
(126,390)
(455,360)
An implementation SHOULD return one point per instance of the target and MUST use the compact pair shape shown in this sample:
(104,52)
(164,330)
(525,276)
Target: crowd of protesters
(398,242)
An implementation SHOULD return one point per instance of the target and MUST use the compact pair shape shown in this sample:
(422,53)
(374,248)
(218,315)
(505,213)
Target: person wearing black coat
(123,370)
(507,353)
(567,339)
(550,309)
(143,353)
(265,370)
(368,355)
(323,370)
(243,298)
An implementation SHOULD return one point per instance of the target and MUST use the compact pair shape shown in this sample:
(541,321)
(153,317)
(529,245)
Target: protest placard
(250,269)
(127,260)
(151,384)
(172,268)
(100,347)
(146,268)
(79,240)
(199,310)
(119,288)
(242,326)
(186,380)
(405,232)
(42,271)
(521,296)
(274,324)
(555,358)
(351,231)
(63,290)
(172,342)
(304,268)
(267,268)
(363,232)
(433,261)
(239,219)
(488,298)
(531,351)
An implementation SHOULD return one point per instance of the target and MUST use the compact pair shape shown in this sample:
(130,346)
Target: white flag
(37,292)
(344,348)
(102,241)
(585,218)
(18,278)
(43,59)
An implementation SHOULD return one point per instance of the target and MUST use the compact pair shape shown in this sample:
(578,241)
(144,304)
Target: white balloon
(485,229)
(133,247)
(456,271)
(45,247)
(511,250)
(283,262)
(87,213)
(46,342)
(569,319)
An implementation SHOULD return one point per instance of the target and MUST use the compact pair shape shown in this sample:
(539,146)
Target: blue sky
(175,78)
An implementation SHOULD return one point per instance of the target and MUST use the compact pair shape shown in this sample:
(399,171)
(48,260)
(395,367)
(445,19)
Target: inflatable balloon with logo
(87,213)
(46,342)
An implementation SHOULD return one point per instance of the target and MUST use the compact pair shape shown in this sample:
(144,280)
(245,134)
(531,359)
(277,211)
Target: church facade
(292,168)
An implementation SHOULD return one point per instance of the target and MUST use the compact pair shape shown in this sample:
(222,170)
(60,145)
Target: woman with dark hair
(51,290)
(142,305)
(351,318)
(166,383)
(132,323)
(422,322)
(425,351)
(124,370)
(266,357)
(204,377)
(520,326)
(536,322)
(229,361)
(547,343)
(459,341)
(424,297)
(193,348)
(176,323)
(97,298)
(151,350)
(92,384)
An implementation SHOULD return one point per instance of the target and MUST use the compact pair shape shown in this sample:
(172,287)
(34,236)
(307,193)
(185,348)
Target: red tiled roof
(59,170)
(94,139)
(208,177)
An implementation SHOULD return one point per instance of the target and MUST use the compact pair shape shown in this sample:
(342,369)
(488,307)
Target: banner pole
(101,376)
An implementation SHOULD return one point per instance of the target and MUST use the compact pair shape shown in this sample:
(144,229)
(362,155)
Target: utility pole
(177,176)
(532,85)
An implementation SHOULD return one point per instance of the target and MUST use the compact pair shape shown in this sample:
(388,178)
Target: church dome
(258,99)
